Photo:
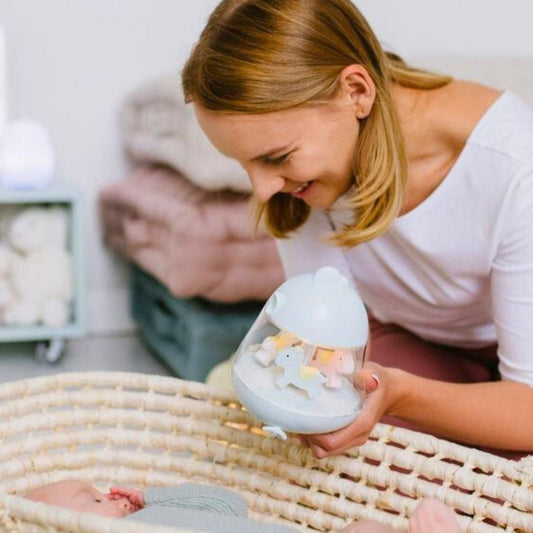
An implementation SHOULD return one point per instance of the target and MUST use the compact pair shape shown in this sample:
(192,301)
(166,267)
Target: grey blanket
(202,508)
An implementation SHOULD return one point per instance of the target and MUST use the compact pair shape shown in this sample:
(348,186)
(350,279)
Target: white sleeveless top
(457,269)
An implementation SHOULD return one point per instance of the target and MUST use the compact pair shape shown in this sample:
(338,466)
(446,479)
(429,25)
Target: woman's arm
(496,414)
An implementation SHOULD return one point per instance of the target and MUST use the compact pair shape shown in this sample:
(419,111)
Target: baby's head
(82,497)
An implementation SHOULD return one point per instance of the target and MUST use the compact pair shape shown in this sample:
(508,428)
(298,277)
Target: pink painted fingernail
(376,379)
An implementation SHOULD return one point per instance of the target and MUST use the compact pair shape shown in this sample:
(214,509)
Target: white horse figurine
(267,351)
(295,373)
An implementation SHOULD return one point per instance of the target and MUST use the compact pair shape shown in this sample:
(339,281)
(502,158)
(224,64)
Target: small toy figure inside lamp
(294,369)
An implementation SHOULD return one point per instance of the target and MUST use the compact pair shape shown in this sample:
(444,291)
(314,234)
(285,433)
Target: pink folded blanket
(196,242)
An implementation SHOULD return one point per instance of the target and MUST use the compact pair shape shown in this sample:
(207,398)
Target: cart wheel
(50,352)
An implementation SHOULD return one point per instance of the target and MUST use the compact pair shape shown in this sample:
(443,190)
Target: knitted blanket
(158,127)
(195,242)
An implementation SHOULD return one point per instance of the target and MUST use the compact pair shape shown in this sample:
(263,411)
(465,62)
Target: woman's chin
(320,202)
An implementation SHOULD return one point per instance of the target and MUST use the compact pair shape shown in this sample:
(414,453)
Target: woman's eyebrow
(271,152)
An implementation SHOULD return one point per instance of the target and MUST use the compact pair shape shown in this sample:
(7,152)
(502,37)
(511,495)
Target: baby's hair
(263,56)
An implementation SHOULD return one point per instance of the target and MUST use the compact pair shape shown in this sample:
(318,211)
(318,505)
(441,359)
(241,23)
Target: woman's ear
(357,85)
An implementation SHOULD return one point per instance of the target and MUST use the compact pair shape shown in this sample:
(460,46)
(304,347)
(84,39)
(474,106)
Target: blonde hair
(262,56)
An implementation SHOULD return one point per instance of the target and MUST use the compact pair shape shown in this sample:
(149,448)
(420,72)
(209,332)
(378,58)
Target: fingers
(119,491)
(433,515)
(115,493)
(367,379)
(368,526)
(372,381)
(303,441)
(354,434)
(140,498)
(328,446)
(122,490)
(135,496)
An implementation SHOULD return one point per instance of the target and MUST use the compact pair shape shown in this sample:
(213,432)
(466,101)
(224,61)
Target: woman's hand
(134,496)
(375,382)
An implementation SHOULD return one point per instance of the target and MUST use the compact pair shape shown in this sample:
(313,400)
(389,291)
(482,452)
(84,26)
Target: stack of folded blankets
(183,218)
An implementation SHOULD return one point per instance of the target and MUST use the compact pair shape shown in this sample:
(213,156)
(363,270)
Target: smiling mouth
(302,189)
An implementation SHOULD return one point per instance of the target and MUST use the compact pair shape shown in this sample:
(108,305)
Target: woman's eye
(97,500)
(277,160)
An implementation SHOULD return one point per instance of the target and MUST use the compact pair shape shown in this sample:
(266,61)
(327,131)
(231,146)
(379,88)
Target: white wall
(452,27)
(71,62)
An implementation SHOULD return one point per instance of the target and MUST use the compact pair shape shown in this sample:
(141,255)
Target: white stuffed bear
(7,257)
(37,227)
(7,297)
(41,271)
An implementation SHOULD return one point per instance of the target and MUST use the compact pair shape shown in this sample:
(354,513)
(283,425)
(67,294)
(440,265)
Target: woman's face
(306,152)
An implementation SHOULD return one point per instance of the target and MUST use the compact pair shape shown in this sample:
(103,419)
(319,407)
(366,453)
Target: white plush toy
(41,271)
(6,294)
(7,297)
(37,227)
(7,257)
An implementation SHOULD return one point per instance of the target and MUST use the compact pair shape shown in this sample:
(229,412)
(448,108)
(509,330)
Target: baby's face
(80,496)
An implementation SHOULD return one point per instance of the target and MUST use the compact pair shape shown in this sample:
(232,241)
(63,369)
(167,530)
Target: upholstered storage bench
(189,335)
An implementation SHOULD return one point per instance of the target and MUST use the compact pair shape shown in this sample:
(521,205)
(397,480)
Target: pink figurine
(332,363)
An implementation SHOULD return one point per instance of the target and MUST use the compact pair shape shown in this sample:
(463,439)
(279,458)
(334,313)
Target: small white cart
(51,342)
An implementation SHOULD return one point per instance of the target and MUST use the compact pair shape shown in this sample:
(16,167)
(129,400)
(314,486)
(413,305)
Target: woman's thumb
(367,380)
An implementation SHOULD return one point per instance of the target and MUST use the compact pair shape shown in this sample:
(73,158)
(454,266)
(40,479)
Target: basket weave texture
(144,431)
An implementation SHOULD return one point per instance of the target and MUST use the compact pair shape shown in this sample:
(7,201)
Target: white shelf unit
(53,339)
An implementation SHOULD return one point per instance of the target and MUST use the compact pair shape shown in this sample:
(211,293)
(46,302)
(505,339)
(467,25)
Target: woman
(416,186)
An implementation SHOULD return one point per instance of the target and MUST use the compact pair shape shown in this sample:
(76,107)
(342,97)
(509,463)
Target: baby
(207,508)
(187,506)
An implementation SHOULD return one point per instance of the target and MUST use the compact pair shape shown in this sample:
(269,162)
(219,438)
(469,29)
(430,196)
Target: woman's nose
(265,184)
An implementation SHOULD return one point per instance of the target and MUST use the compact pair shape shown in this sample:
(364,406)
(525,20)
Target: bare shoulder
(460,106)
(471,92)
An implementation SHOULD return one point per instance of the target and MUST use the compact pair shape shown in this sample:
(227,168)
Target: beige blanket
(197,243)
(159,128)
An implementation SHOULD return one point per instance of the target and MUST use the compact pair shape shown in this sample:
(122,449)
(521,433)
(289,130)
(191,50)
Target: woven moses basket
(143,431)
